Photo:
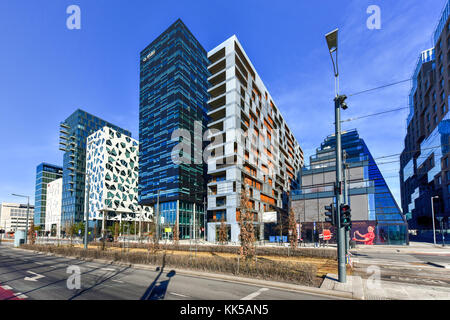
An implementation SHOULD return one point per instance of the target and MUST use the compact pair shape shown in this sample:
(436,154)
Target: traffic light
(346,216)
(330,214)
(341,99)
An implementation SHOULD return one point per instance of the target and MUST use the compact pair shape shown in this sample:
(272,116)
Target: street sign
(168,230)
(270,217)
(326,234)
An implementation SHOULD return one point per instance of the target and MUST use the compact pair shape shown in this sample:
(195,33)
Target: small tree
(70,230)
(247,233)
(223,231)
(176,233)
(292,229)
(116,231)
(32,233)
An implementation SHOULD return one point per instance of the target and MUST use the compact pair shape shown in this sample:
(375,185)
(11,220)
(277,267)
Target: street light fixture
(28,213)
(339,102)
(332,42)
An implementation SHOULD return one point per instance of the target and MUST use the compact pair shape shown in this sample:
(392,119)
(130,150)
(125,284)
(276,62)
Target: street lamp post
(28,213)
(339,101)
(432,218)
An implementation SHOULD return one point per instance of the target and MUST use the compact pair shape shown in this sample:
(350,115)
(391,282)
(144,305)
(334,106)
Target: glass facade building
(424,162)
(173,96)
(370,198)
(45,173)
(73,136)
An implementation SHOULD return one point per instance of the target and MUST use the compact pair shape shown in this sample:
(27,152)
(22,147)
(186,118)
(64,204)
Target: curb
(222,277)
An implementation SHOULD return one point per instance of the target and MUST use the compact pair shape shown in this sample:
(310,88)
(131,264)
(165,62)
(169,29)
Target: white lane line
(255,294)
(20,295)
(118,281)
(39,263)
(108,269)
(6,287)
(179,295)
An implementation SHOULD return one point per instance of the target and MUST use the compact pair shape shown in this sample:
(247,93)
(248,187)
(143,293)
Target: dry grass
(291,271)
(327,253)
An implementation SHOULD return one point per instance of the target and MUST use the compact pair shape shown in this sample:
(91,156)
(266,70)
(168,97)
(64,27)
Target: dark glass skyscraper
(45,173)
(73,135)
(173,95)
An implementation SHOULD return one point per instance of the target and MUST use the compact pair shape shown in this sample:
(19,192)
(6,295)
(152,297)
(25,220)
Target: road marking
(108,269)
(179,295)
(20,295)
(6,287)
(117,281)
(39,263)
(255,294)
(35,278)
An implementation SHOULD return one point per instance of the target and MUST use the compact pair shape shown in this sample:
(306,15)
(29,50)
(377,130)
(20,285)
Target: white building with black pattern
(112,168)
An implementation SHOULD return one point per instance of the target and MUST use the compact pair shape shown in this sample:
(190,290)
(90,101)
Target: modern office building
(45,173)
(424,162)
(251,143)
(367,193)
(13,216)
(53,208)
(173,96)
(112,169)
(73,135)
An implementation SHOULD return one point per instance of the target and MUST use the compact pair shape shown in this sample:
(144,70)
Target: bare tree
(176,233)
(292,229)
(116,231)
(247,233)
(223,231)
(32,233)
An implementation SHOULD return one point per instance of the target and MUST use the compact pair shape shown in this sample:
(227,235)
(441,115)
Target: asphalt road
(33,276)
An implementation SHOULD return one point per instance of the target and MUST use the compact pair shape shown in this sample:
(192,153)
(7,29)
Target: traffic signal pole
(338,191)
(347,202)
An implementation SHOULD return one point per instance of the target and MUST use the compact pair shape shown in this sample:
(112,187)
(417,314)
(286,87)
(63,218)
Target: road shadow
(158,289)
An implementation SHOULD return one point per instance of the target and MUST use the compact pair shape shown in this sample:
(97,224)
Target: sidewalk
(413,248)
(369,289)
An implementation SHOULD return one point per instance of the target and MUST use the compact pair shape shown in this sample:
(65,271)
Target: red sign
(326,234)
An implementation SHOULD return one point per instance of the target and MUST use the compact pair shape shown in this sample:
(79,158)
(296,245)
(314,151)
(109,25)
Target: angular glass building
(73,135)
(173,96)
(45,173)
(372,203)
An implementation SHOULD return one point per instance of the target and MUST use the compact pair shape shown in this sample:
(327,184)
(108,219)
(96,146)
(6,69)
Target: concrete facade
(53,208)
(251,143)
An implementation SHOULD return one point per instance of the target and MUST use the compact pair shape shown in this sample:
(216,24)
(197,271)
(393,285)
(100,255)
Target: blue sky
(48,71)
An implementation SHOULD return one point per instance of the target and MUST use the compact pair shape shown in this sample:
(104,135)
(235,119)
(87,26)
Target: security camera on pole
(339,102)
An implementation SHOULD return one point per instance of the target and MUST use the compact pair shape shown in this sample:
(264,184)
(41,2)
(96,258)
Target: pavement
(416,272)
(31,275)
(376,289)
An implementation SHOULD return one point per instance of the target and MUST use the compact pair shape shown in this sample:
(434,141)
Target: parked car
(108,238)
